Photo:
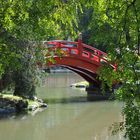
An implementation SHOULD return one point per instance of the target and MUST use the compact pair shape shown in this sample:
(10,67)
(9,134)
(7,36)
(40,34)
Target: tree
(123,43)
(23,22)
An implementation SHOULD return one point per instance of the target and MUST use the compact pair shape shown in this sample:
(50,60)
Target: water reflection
(67,100)
(69,115)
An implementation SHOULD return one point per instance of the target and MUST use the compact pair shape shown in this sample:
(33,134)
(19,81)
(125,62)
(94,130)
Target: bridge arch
(85,74)
(83,59)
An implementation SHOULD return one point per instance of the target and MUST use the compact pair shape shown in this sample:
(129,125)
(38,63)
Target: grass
(10,97)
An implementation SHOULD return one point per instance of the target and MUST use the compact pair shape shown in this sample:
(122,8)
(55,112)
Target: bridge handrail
(69,45)
(63,42)
(95,49)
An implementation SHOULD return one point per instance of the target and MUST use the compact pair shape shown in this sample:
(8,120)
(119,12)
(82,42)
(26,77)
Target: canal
(69,115)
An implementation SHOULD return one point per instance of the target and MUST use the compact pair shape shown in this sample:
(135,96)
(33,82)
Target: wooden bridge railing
(74,49)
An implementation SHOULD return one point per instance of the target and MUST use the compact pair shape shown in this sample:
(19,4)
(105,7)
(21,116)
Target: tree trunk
(24,84)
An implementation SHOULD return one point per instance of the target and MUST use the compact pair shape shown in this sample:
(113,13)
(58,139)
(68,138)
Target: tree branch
(138,28)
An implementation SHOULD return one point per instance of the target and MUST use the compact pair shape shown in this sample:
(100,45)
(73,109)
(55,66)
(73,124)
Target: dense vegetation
(113,26)
(23,25)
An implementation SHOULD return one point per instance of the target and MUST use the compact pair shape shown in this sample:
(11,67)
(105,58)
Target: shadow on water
(14,115)
(71,100)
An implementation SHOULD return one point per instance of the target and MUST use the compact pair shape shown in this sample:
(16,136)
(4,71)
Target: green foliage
(116,26)
(132,121)
(7,57)
(23,24)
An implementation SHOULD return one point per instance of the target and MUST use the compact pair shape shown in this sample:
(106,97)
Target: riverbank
(10,104)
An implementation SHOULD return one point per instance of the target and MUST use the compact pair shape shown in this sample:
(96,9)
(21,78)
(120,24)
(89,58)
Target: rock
(10,105)
(32,107)
(44,105)
(40,100)
(7,111)
(21,105)
(13,104)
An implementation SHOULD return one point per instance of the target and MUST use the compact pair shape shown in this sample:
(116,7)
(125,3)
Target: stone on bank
(10,104)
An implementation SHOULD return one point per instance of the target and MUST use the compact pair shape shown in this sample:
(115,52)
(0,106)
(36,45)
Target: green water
(69,115)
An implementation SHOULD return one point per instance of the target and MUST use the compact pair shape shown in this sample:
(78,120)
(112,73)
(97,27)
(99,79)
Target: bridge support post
(94,93)
(80,43)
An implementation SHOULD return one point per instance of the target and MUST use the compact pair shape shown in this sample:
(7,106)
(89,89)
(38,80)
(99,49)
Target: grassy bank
(10,104)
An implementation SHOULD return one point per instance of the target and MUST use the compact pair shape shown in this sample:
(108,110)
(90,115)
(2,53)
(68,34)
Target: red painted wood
(77,55)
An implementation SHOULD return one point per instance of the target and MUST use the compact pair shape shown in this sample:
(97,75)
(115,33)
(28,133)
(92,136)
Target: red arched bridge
(83,59)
